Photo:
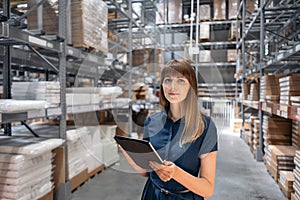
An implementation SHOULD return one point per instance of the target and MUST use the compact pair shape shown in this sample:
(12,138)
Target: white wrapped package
(110,153)
(28,145)
(93,157)
(14,106)
(110,93)
(76,134)
(76,166)
(108,131)
(26,164)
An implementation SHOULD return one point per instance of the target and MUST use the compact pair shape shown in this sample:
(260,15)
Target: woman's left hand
(165,171)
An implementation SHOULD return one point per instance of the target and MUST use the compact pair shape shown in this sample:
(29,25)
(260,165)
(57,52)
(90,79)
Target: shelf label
(194,50)
(38,41)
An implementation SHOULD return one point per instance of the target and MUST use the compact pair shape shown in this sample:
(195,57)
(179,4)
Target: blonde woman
(186,140)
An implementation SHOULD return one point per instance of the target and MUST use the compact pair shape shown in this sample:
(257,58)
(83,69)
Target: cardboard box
(59,173)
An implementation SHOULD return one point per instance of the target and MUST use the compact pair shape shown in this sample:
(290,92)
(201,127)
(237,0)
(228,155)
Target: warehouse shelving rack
(61,61)
(277,52)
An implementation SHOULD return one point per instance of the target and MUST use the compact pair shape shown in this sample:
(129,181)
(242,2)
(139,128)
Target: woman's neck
(175,112)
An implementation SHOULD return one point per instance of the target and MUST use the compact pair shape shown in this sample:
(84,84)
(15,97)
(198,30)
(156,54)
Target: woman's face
(175,88)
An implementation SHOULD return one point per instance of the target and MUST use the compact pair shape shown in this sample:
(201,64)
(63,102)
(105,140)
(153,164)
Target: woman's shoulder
(155,117)
(208,121)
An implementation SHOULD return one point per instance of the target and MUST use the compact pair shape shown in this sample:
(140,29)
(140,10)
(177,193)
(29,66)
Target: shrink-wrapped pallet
(205,13)
(219,10)
(89,25)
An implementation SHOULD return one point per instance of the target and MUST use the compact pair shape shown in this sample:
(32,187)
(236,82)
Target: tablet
(141,151)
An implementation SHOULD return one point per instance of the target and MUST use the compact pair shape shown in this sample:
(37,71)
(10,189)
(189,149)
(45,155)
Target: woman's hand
(165,171)
(140,170)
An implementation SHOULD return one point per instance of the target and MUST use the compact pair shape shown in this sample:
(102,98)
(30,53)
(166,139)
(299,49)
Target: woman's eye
(168,80)
(181,81)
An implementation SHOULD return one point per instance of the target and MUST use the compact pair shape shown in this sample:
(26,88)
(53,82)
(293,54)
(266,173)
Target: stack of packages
(219,10)
(90,25)
(82,96)
(296,172)
(295,134)
(175,11)
(251,130)
(77,167)
(286,181)
(248,134)
(26,167)
(277,131)
(277,158)
(246,90)
(289,86)
(49,22)
(109,146)
(204,13)
(139,91)
(254,92)
(233,6)
(43,90)
(269,90)
(295,101)
(204,32)
(255,141)
(251,5)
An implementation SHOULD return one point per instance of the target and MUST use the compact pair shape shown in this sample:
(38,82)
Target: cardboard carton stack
(139,91)
(296,172)
(254,92)
(49,21)
(233,6)
(205,13)
(219,10)
(44,90)
(90,25)
(289,86)
(246,90)
(286,181)
(255,141)
(204,32)
(277,131)
(251,129)
(232,34)
(296,134)
(269,88)
(277,158)
(175,11)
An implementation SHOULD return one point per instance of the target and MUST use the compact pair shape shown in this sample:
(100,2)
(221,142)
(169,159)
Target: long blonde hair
(194,124)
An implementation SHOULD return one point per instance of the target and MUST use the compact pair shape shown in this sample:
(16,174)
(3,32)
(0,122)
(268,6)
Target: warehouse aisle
(239,176)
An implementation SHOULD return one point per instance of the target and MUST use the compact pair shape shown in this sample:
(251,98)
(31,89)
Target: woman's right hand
(140,170)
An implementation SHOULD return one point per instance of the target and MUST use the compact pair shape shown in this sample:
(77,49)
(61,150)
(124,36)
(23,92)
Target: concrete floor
(238,177)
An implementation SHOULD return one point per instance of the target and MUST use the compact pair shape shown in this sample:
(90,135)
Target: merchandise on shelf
(160,9)
(49,21)
(26,167)
(270,89)
(233,31)
(276,131)
(233,6)
(43,90)
(231,55)
(278,157)
(251,5)
(205,13)
(175,11)
(14,106)
(219,10)
(296,172)
(286,181)
(254,92)
(90,25)
(204,32)
(205,56)
(289,86)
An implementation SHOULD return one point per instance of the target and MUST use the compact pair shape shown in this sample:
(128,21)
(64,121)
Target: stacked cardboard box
(254,92)
(246,90)
(236,125)
(204,32)
(286,181)
(231,55)
(219,10)
(296,172)
(295,101)
(233,6)
(175,11)
(251,129)
(296,134)
(277,131)
(269,87)
(255,141)
(251,5)
(289,86)
(205,56)
(139,91)
(89,25)
(278,157)
(49,21)
(205,13)
(147,58)
(233,31)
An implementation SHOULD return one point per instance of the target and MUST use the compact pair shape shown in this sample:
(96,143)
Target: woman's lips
(173,94)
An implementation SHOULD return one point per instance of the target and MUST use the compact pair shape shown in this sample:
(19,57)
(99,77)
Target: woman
(183,137)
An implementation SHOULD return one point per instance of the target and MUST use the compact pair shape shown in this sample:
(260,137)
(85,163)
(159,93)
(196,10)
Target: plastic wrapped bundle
(233,6)
(175,11)
(14,106)
(205,13)
(89,24)
(26,167)
(219,10)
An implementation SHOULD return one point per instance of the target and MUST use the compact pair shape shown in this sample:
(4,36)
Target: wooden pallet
(79,180)
(96,171)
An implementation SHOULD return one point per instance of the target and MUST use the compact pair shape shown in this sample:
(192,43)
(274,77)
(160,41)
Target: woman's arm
(203,186)
(140,170)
